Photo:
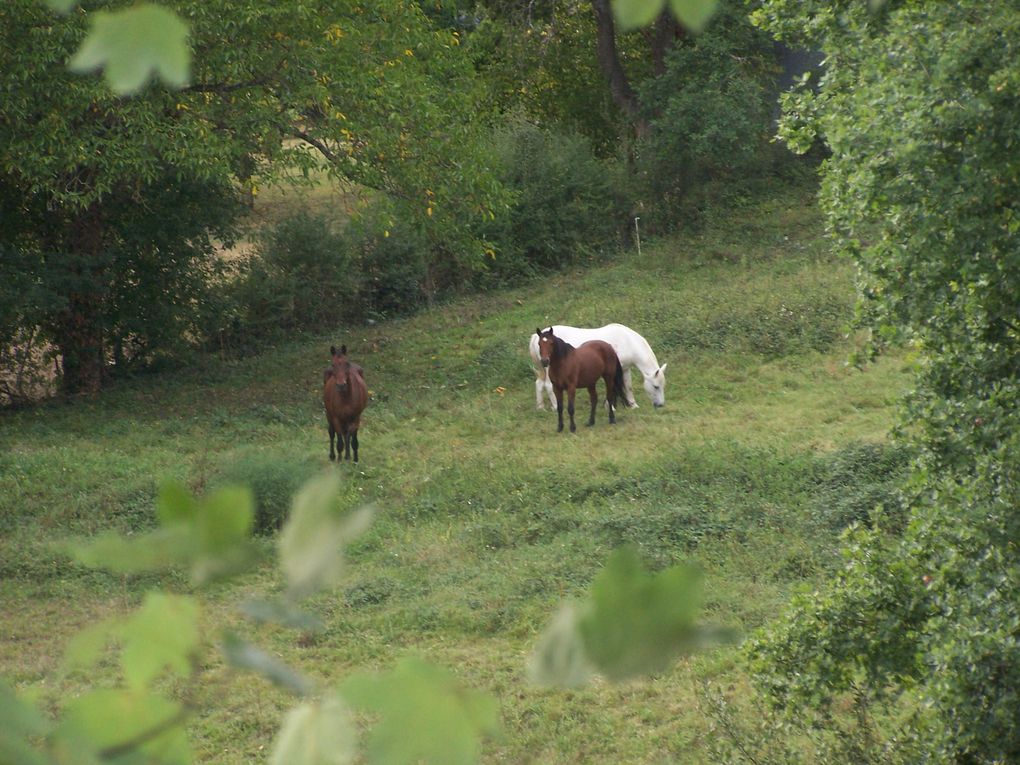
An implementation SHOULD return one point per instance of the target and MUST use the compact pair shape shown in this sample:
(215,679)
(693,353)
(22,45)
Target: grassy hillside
(487,517)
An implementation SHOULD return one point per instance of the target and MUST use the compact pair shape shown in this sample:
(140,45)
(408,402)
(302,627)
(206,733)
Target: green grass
(487,518)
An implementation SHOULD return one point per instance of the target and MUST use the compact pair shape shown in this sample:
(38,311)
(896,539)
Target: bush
(391,255)
(302,277)
(273,479)
(860,478)
(567,205)
(710,117)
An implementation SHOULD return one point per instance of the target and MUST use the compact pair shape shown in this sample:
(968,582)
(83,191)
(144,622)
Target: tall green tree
(919,107)
(108,198)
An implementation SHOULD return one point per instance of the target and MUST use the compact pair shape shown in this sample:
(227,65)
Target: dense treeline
(920,633)
(484,143)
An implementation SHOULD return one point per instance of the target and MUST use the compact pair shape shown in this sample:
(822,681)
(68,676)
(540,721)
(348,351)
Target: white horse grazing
(632,349)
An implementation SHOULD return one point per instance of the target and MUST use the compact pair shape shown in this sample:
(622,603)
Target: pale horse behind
(631,348)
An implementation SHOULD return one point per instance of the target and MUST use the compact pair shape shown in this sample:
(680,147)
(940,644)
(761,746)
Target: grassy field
(486,517)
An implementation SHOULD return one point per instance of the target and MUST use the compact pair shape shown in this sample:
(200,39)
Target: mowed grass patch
(486,517)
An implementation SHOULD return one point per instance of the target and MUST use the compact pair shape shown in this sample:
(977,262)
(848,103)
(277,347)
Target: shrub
(567,204)
(302,277)
(860,478)
(273,479)
(710,117)
(391,255)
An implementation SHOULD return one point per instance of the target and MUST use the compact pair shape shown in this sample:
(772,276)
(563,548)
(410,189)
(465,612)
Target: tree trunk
(79,329)
(661,36)
(609,61)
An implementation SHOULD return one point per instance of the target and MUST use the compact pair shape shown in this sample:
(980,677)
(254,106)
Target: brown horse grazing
(571,368)
(345,395)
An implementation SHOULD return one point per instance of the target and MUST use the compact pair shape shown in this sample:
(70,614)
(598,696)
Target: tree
(919,107)
(360,91)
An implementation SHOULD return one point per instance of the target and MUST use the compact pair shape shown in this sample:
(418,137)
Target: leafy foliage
(566,204)
(918,108)
(131,43)
(710,116)
(425,717)
(96,184)
(633,623)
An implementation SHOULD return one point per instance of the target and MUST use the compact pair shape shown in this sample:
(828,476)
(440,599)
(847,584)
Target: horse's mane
(561,347)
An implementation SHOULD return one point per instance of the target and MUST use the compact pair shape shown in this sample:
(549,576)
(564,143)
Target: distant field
(487,518)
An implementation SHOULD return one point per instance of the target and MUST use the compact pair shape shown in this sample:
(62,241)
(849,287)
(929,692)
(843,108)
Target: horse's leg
(549,388)
(611,394)
(628,391)
(593,396)
(347,442)
(559,408)
(354,443)
(540,383)
(571,391)
(332,433)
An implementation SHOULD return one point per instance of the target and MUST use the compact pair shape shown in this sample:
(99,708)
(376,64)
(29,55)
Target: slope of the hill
(486,517)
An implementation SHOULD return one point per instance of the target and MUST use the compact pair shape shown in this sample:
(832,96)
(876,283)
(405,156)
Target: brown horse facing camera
(571,368)
(345,396)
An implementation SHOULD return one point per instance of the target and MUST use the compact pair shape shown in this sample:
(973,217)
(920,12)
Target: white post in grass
(637,236)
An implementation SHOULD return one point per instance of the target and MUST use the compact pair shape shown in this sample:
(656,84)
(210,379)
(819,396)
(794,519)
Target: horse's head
(655,386)
(340,369)
(546,345)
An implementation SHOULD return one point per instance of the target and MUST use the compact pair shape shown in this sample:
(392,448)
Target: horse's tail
(617,381)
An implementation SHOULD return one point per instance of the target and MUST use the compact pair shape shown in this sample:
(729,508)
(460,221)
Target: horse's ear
(538,331)
(343,350)
(662,369)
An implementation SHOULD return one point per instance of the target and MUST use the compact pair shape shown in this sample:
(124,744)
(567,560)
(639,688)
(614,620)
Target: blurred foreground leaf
(633,623)
(117,724)
(211,537)
(693,14)
(281,612)
(311,540)
(560,658)
(19,723)
(633,14)
(425,716)
(162,635)
(244,655)
(133,44)
(316,733)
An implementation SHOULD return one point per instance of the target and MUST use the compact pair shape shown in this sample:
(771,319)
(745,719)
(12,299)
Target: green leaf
(316,733)
(157,550)
(636,622)
(425,716)
(632,623)
(632,14)
(174,504)
(693,14)
(112,723)
(61,6)
(210,537)
(311,540)
(278,612)
(19,723)
(87,645)
(559,658)
(162,635)
(243,655)
(133,44)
